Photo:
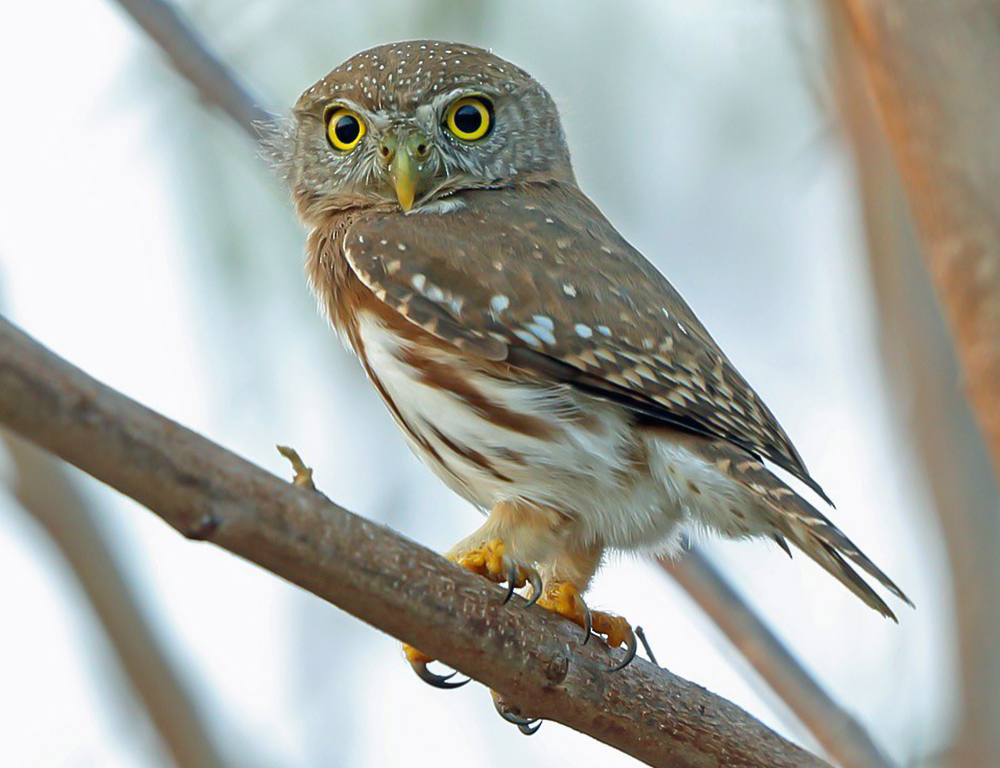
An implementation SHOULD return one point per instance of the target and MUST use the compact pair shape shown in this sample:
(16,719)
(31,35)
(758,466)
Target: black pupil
(468,119)
(347,129)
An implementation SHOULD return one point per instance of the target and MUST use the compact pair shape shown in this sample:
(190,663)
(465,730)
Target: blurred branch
(843,737)
(532,657)
(45,491)
(930,70)
(197,63)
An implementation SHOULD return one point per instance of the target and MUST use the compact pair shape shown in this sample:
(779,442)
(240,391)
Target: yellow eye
(344,128)
(470,118)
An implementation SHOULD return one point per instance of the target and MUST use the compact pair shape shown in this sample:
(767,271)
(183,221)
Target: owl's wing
(540,279)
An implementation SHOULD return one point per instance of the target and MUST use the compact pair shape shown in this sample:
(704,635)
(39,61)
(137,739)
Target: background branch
(932,70)
(532,657)
(44,491)
(216,84)
(841,735)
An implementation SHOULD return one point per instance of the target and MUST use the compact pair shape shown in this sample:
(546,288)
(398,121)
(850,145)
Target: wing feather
(539,278)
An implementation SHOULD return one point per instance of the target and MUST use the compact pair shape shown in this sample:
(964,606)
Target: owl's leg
(503,549)
(566,579)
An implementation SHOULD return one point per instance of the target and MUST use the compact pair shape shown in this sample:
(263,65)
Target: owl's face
(407,124)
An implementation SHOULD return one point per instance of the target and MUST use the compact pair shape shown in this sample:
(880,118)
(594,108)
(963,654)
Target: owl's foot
(489,560)
(564,598)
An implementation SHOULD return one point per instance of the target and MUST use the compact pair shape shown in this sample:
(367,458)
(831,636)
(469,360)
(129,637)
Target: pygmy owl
(532,358)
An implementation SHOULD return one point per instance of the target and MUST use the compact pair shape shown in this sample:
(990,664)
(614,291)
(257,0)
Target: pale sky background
(142,239)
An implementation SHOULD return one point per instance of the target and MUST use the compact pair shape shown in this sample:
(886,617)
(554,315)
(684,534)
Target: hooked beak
(406,156)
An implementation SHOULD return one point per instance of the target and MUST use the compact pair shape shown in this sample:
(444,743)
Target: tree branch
(196,62)
(932,68)
(532,657)
(841,735)
(46,493)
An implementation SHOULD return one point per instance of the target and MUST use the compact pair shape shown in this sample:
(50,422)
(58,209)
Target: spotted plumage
(536,361)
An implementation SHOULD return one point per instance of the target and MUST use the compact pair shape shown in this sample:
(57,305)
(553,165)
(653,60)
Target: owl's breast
(492,435)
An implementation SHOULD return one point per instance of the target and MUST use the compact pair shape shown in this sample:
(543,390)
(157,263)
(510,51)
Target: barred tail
(815,535)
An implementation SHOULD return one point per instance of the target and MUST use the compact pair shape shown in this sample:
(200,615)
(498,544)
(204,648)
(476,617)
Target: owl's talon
(527,725)
(511,582)
(419,660)
(536,587)
(588,624)
(631,648)
(529,729)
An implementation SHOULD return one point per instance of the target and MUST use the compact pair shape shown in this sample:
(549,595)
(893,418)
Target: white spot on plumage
(542,328)
(528,338)
(499,303)
(419,281)
(569,290)
(604,330)
(583,331)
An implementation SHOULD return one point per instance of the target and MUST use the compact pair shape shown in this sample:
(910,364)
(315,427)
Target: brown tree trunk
(934,70)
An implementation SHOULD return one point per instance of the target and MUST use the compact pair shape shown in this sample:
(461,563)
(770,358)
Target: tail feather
(791,517)
(831,560)
(826,544)
(834,537)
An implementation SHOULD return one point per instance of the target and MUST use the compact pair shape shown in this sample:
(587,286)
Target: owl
(531,357)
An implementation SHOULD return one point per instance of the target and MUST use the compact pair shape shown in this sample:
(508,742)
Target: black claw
(530,730)
(536,592)
(588,624)
(436,681)
(630,650)
(513,719)
(511,581)
(524,724)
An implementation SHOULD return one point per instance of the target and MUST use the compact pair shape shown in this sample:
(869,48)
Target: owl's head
(407,124)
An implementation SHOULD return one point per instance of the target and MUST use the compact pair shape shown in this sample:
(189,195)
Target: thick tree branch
(843,737)
(48,495)
(531,656)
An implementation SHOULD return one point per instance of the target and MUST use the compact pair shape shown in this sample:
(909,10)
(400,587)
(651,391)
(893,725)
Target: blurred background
(143,238)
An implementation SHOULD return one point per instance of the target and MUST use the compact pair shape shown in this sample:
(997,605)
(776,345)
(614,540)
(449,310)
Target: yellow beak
(407,155)
(404,179)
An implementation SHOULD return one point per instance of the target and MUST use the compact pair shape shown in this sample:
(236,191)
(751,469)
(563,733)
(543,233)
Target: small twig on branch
(197,63)
(47,494)
(842,736)
(531,657)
